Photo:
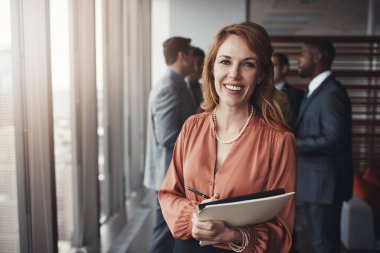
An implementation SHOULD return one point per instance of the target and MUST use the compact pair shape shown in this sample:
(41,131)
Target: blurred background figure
(170,104)
(323,142)
(280,71)
(192,79)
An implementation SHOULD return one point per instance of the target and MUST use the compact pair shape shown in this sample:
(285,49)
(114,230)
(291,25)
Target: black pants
(324,226)
(162,240)
(192,246)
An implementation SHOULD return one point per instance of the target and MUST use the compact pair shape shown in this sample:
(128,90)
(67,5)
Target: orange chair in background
(367,187)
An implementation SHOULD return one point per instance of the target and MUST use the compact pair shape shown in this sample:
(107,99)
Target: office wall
(322,17)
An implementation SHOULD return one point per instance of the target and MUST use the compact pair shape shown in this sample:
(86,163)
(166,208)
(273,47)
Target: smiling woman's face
(236,72)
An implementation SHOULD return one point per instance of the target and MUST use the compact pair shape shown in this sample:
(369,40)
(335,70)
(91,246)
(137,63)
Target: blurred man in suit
(323,142)
(193,78)
(170,104)
(280,71)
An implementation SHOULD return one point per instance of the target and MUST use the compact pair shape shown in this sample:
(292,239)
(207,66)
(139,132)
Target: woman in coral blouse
(239,145)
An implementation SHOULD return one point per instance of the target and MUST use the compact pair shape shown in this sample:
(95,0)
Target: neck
(219,131)
(231,119)
(319,70)
(176,67)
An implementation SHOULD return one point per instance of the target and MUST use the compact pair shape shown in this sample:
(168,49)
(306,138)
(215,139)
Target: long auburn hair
(267,100)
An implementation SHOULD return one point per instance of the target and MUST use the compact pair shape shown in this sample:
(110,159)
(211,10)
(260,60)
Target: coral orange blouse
(261,159)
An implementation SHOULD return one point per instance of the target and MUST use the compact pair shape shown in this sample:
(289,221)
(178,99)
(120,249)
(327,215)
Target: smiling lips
(233,87)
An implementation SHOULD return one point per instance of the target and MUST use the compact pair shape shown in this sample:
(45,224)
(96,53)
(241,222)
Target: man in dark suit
(280,71)
(193,78)
(323,142)
(170,104)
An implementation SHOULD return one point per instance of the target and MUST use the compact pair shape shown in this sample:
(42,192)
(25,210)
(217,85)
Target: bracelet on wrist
(245,240)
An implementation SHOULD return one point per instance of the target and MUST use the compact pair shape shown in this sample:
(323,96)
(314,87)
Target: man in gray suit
(170,104)
(323,142)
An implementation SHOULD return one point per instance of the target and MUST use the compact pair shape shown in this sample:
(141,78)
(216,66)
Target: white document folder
(245,212)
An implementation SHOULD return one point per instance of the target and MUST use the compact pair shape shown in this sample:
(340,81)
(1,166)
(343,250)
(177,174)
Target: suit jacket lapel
(286,86)
(306,101)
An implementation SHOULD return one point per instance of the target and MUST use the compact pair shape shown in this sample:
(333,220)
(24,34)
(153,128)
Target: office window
(9,238)
(60,67)
(58,89)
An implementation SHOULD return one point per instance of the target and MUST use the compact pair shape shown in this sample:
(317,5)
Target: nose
(234,72)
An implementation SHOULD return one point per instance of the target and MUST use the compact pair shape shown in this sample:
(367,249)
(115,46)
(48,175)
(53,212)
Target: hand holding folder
(244,210)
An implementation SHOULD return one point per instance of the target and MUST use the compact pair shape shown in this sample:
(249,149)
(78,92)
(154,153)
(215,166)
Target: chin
(236,103)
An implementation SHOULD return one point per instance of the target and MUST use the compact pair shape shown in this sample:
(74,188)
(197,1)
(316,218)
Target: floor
(303,239)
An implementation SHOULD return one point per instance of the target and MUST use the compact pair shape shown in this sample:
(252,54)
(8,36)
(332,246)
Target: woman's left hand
(212,230)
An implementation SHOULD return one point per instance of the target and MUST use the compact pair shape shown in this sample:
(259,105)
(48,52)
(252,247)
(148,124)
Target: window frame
(33,126)
(84,124)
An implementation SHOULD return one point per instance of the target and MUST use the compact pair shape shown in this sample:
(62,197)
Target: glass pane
(9,236)
(100,102)
(60,67)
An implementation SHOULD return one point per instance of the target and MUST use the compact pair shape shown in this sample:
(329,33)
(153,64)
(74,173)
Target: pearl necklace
(241,131)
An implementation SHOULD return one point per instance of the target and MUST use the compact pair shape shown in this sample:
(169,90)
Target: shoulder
(164,88)
(275,134)
(198,120)
(165,82)
(197,125)
(335,88)
(333,83)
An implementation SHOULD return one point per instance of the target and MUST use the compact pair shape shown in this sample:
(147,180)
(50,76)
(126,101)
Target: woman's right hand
(213,198)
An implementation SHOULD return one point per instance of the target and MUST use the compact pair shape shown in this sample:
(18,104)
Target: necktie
(305,97)
(304,100)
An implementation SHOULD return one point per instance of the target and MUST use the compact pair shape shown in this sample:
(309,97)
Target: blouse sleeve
(176,208)
(275,235)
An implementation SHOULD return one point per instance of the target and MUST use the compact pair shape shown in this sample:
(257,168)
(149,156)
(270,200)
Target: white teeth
(234,88)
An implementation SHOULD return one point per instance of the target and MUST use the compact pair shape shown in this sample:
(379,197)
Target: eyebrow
(245,59)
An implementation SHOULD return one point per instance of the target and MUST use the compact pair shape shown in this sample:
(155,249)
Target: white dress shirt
(280,86)
(314,84)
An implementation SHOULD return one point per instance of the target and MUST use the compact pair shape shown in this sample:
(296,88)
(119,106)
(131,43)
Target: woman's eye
(249,64)
(225,62)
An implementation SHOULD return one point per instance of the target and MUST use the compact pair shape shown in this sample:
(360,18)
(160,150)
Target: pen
(197,192)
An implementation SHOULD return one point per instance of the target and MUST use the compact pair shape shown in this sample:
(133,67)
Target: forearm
(269,236)
(234,235)
(177,212)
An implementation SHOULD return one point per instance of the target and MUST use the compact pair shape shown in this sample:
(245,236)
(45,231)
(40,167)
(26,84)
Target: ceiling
(314,17)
